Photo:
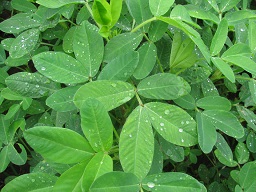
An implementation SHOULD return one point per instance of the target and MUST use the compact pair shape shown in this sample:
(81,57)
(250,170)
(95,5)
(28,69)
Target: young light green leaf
(116,8)
(219,37)
(59,145)
(116,182)
(147,60)
(121,44)
(96,125)
(173,181)
(71,180)
(24,43)
(207,134)
(160,7)
(214,102)
(60,67)
(243,62)
(58,3)
(246,175)
(18,23)
(101,12)
(120,68)
(31,182)
(242,153)
(224,68)
(139,10)
(225,121)
(15,157)
(227,5)
(182,54)
(163,86)
(100,164)
(31,85)
(88,47)
(173,123)
(137,143)
(111,93)
(62,100)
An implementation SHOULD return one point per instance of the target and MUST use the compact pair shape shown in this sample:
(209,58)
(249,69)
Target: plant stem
(138,99)
(142,24)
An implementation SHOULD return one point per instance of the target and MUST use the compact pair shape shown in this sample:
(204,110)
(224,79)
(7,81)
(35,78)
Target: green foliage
(133,95)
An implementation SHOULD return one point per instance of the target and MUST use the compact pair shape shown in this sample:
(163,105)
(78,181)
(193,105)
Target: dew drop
(113,85)
(151,184)
(162,124)
(130,135)
(180,130)
(166,112)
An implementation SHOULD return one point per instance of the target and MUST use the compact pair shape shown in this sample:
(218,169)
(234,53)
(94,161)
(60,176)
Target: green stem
(89,8)
(160,65)
(142,24)
(138,99)
(116,134)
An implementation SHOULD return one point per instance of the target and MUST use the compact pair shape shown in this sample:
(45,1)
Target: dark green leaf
(251,142)
(163,86)
(62,100)
(147,60)
(219,37)
(137,143)
(140,11)
(172,182)
(15,157)
(96,125)
(121,44)
(186,102)
(214,102)
(60,67)
(59,145)
(242,153)
(120,68)
(18,23)
(31,85)
(88,47)
(207,134)
(247,175)
(160,7)
(116,182)
(31,182)
(57,3)
(111,93)
(23,5)
(224,68)
(225,121)
(172,123)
